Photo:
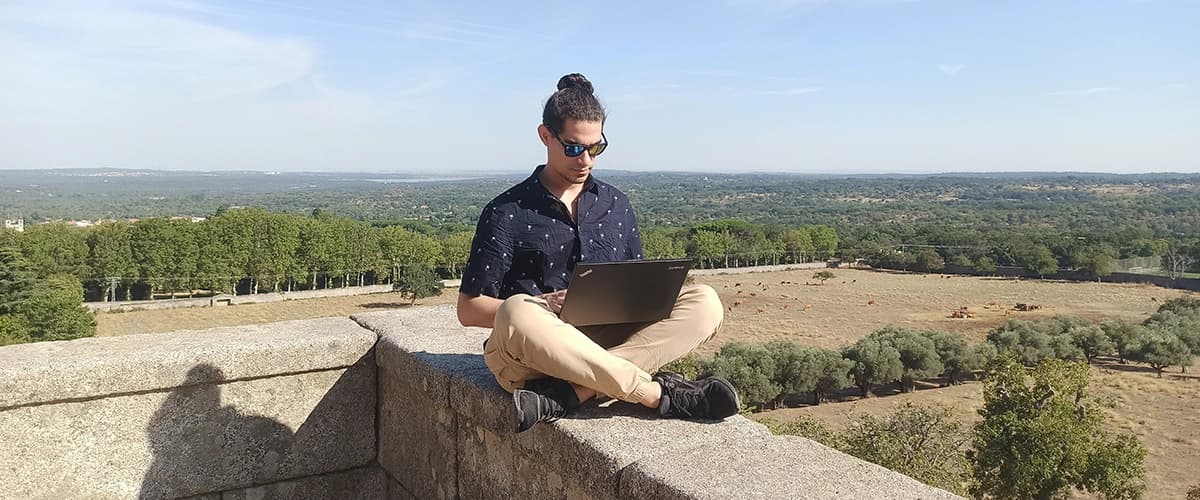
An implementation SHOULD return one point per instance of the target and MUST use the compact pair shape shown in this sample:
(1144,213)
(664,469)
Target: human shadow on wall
(202,446)
(198,442)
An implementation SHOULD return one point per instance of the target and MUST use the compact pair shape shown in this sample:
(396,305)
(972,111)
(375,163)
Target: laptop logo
(674,268)
(586,273)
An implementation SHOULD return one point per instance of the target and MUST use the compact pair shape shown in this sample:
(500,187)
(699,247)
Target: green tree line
(253,250)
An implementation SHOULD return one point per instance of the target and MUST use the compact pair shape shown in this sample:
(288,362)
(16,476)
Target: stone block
(767,467)
(396,491)
(367,483)
(195,439)
(416,438)
(47,372)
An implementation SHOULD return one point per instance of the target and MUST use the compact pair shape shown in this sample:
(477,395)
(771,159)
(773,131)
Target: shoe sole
(520,413)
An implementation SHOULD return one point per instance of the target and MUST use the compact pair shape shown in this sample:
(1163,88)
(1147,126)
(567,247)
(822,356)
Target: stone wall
(291,410)
(252,411)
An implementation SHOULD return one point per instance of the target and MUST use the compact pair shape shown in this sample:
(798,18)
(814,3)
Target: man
(526,245)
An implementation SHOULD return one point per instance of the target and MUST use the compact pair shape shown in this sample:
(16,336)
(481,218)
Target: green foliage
(918,354)
(823,276)
(54,311)
(1035,341)
(1036,259)
(689,366)
(1123,334)
(56,249)
(750,368)
(1160,348)
(985,264)
(17,280)
(1092,340)
(418,281)
(875,362)
(456,250)
(1042,437)
(1181,305)
(659,243)
(808,427)
(957,357)
(922,442)
(929,261)
(807,370)
(13,330)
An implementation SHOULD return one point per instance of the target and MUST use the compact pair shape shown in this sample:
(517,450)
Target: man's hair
(574,101)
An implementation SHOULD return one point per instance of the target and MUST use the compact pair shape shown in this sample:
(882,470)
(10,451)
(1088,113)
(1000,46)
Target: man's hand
(555,299)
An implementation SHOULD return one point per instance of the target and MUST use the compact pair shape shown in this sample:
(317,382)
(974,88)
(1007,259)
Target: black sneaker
(712,398)
(543,400)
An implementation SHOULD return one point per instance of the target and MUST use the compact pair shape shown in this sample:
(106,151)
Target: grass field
(780,305)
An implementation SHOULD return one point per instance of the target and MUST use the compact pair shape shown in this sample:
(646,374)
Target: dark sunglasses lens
(573,150)
(596,149)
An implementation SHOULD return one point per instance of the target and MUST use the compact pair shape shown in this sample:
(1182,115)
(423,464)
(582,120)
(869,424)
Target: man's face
(573,170)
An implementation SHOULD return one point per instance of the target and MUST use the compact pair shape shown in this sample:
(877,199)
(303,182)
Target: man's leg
(695,319)
(529,341)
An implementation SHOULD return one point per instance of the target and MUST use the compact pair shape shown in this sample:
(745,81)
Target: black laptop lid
(633,291)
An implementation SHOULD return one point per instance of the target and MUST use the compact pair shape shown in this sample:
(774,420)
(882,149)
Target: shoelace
(688,402)
(550,410)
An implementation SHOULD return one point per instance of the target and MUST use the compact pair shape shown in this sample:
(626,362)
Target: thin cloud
(1175,86)
(793,91)
(1087,91)
(951,69)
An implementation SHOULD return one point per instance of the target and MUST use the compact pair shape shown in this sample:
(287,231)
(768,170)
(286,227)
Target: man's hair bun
(575,81)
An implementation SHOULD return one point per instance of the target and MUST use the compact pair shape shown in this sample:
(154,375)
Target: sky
(806,86)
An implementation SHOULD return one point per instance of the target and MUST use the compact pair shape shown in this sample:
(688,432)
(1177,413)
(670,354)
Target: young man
(526,245)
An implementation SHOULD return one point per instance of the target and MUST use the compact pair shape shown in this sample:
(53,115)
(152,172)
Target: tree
(709,246)
(110,255)
(929,261)
(918,355)
(1042,437)
(418,281)
(922,442)
(1160,348)
(1033,342)
(956,356)
(17,280)
(750,368)
(456,250)
(1092,340)
(13,330)
(1037,259)
(1100,264)
(658,243)
(54,311)
(824,241)
(823,276)
(1175,262)
(875,362)
(807,370)
(56,249)
(1123,335)
(985,264)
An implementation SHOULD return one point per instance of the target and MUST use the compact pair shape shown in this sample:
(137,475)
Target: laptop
(633,291)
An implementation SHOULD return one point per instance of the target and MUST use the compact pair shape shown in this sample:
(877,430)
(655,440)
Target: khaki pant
(529,341)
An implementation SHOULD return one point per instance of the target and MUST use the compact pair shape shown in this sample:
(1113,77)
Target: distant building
(16,224)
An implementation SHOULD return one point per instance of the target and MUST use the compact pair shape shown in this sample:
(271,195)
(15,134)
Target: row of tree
(1041,435)
(258,250)
(767,374)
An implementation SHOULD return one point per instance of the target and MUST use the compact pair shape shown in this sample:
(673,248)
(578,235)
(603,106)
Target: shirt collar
(591,184)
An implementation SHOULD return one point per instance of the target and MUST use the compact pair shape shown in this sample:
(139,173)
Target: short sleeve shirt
(525,241)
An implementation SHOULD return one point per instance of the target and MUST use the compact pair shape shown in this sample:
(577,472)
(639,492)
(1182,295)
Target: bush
(806,370)
(1160,348)
(918,355)
(1123,334)
(750,368)
(922,442)
(689,366)
(1092,341)
(1033,342)
(957,357)
(808,427)
(55,311)
(874,362)
(13,330)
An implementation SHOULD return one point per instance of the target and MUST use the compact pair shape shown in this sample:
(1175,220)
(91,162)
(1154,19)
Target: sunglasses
(574,150)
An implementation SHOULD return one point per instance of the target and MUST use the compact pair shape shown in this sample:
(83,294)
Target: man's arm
(479,310)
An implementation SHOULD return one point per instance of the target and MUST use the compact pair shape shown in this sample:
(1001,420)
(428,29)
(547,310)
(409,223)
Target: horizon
(808,87)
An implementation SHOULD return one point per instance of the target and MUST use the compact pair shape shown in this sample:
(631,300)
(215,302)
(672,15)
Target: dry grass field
(762,307)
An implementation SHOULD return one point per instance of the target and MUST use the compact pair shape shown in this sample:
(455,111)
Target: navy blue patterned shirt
(526,242)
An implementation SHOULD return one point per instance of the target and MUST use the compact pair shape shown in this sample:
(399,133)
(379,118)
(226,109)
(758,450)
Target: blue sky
(813,86)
